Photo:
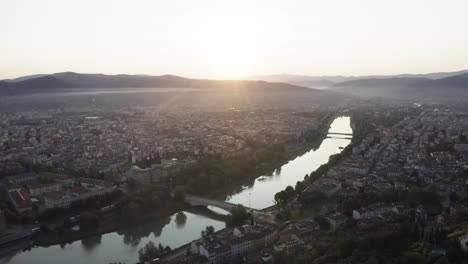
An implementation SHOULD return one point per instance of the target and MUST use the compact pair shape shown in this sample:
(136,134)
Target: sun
(231,63)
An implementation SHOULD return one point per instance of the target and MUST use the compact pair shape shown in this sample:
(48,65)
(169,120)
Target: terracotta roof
(78,189)
(54,196)
(21,198)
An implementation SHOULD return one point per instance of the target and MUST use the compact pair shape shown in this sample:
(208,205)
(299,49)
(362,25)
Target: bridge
(257,214)
(335,137)
(200,201)
(342,134)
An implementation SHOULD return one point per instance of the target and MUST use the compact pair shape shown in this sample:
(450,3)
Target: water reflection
(92,242)
(277,172)
(132,236)
(121,246)
(180,219)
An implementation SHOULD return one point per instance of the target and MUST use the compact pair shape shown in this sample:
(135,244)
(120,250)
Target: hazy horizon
(248,77)
(229,40)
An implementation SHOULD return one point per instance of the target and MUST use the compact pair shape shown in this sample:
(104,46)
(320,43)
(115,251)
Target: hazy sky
(226,39)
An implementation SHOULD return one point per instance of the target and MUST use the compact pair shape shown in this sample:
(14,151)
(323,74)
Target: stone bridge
(257,214)
(197,201)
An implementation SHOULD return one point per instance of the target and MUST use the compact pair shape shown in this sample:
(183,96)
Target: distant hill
(453,87)
(324,82)
(459,81)
(27,77)
(434,75)
(302,80)
(388,87)
(373,82)
(73,81)
(34,85)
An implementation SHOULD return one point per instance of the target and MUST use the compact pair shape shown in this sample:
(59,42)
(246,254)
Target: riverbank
(311,141)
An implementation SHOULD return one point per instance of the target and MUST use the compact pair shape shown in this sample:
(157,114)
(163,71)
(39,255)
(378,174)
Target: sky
(231,39)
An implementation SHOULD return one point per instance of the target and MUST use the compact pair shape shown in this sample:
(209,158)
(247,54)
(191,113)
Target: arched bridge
(257,214)
(197,201)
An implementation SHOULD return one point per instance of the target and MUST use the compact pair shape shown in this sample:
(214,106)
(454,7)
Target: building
(21,200)
(336,221)
(22,178)
(37,189)
(242,241)
(464,242)
(84,188)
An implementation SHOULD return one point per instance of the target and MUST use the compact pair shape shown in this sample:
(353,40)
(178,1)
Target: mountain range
(453,87)
(329,81)
(442,85)
(439,85)
(73,81)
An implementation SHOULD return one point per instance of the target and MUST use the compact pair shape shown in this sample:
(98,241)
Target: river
(123,246)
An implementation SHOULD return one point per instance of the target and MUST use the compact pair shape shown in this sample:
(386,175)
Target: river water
(123,246)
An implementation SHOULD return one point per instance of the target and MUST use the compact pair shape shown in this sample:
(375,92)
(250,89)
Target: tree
(300,186)
(210,230)
(413,257)
(309,198)
(89,221)
(35,209)
(179,193)
(155,201)
(442,260)
(426,195)
(289,191)
(131,212)
(238,215)
(180,219)
(462,138)
(283,196)
(150,251)
(280,258)
(454,251)
(454,197)
(345,247)
(350,204)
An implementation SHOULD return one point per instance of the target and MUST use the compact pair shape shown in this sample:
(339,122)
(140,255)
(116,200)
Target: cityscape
(216,132)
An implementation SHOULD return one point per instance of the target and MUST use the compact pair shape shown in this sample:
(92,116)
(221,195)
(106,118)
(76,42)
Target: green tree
(413,258)
(181,218)
(418,195)
(210,230)
(155,201)
(238,215)
(150,251)
(89,221)
(350,204)
(442,260)
(179,193)
(310,198)
(300,186)
(131,212)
